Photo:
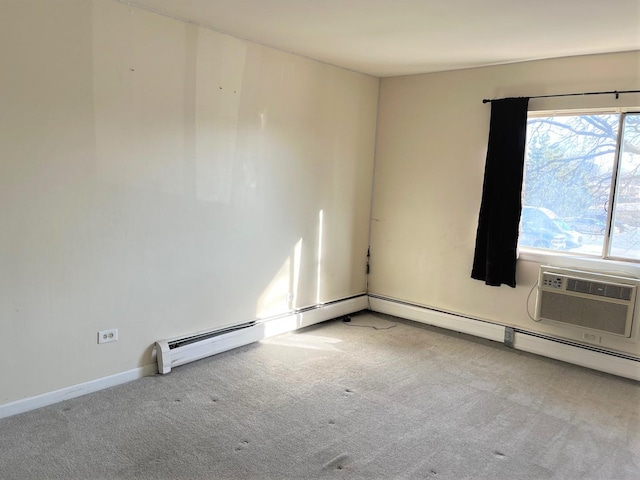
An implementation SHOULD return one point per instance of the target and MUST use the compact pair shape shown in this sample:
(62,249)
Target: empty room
(298,239)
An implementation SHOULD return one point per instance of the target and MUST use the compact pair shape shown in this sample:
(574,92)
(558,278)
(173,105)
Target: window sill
(566,259)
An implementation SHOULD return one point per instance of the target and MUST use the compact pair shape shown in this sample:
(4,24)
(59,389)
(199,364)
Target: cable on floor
(347,321)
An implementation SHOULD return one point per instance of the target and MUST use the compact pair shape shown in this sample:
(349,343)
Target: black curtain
(497,236)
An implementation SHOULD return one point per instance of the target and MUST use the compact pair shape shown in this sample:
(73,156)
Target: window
(581,191)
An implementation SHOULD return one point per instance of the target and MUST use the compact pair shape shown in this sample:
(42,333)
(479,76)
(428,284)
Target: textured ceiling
(396,37)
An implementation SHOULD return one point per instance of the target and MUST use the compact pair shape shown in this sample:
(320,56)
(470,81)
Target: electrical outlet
(106,336)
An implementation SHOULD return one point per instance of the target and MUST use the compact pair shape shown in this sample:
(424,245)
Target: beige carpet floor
(342,401)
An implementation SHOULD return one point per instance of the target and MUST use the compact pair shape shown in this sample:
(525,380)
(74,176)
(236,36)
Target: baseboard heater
(179,351)
(597,358)
(189,348)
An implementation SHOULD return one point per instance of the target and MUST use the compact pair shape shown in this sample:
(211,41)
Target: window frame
(542,255)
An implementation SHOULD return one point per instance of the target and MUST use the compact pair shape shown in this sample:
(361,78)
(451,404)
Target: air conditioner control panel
(551,281)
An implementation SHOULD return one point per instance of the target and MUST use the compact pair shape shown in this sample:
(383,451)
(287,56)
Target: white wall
(430,157)
(161,179)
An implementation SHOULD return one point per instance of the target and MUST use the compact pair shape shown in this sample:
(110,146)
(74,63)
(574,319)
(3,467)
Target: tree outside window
(570,167)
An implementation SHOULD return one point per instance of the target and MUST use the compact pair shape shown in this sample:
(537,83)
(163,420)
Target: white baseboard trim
(218,342)
(609,363)
(268,328)
(67,393)
(557,348)
(436,318)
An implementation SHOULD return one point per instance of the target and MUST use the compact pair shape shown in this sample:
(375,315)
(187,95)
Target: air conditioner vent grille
(575,285)
(599,289)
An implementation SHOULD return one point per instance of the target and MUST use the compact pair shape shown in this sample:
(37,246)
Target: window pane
(567,182)
(625,238)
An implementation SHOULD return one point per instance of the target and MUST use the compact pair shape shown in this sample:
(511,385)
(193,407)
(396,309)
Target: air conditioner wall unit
(592,302)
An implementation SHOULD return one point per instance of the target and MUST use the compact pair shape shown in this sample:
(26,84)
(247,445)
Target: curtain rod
(614,92)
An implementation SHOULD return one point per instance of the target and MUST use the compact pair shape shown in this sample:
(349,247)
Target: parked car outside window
(542,228)
(592,224)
